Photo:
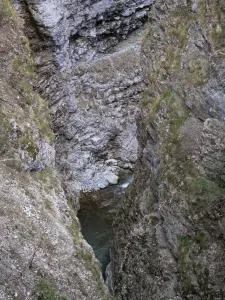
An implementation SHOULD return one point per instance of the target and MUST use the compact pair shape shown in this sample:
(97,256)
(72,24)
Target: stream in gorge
(96,215)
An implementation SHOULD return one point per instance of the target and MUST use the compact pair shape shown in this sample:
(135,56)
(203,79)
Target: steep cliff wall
(169,236)
(42,254)
(92,79)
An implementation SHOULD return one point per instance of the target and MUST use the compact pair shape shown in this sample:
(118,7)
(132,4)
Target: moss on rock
(45,290)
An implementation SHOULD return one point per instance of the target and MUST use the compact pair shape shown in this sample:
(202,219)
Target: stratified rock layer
(169,235)
(93,82)
(100,134)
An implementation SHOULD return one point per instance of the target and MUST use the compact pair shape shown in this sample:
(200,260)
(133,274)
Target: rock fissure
(94,62)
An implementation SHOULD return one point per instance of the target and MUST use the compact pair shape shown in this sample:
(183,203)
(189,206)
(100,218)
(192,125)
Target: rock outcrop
(169,235)
(93,82)
(43,254)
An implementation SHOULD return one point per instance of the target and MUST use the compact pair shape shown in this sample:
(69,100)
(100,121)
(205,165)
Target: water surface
(96,214)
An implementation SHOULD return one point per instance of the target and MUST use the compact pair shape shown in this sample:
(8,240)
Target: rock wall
(83,58)
(43,254)
(87,55)
(169,234)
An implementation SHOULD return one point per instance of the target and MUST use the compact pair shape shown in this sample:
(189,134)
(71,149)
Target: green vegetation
(172,58)
(65,73)
(45,174)
(188,249)
(5,130)
(144,100)
(179,33)
(201,239)
(24,65)
(26,88)
(27,143)
(154,220)
(144,103)
(202,12)
(85,255)
(200,196)
(166,96)
(24,116)
(198,73)
(43,122)
(95,268)
(70,200)
(45,290)
(205,192)
(48,204)
(21,75)
(201,185)
(173,166)
(96,273)
(6,10)
(178,30)
(217,18)
(74,227)
(177,119)
(23,72)
(182,12)
(153,77)
(185,245)
(217,36)
(48,177)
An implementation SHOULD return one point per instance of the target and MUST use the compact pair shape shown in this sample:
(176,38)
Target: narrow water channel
(96,215)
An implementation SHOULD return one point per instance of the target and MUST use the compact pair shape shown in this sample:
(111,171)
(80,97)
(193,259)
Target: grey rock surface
(43,254)
(99,137)
(41,244)
(94,84)
(169,234)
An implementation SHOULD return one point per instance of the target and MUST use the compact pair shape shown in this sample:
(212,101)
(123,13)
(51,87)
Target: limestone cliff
(169,235)
(92,79)
(42,254)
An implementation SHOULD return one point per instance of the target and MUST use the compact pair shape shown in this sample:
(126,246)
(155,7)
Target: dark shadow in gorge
(96,215)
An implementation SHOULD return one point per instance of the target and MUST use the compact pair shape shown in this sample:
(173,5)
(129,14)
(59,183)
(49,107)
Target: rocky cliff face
(93,82)
(43,254)
(85,62)
(169,235)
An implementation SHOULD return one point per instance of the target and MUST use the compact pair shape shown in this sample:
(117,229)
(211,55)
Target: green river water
(96,215)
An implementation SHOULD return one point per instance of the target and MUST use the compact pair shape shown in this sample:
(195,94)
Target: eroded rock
(43,254)
(169,237)
(95,86)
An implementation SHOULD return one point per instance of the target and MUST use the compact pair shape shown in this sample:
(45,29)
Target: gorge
(92,90)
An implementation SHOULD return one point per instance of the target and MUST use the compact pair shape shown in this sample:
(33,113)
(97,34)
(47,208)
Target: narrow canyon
(112,149)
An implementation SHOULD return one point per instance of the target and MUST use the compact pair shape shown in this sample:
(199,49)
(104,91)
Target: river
(96,215)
